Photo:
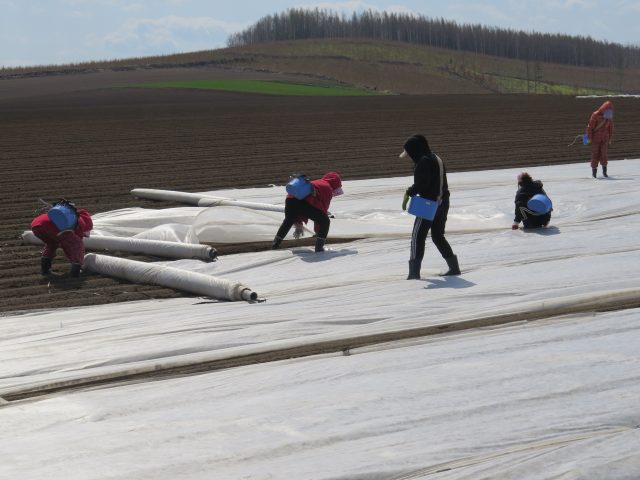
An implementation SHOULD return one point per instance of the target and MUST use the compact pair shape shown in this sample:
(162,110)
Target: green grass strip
(263,87)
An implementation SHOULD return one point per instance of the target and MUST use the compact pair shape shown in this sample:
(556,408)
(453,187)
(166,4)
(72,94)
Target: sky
(43,32)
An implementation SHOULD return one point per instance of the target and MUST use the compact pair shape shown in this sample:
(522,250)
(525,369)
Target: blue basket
(63,216)
(299,187)
(540,204)
(423,207)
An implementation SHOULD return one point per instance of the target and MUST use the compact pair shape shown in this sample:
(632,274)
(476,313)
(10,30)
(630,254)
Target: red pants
(599,154)
(72,245)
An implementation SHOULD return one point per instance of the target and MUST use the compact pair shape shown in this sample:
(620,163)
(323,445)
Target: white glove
(299,231)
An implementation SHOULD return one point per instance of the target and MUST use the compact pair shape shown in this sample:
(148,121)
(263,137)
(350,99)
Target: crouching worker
(533,206)
(314,205)
(64,226)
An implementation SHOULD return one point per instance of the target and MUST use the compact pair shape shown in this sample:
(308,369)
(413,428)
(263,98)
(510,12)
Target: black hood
(417,147)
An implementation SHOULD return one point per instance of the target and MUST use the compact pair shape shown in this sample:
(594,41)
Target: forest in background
(299,24)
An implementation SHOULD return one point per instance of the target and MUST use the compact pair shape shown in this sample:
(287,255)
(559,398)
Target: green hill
(383,67)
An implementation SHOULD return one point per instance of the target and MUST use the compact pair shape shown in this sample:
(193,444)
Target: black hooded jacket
(426,173)
(524,193)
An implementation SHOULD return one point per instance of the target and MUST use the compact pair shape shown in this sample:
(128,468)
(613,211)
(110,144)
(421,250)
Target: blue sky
(36,32)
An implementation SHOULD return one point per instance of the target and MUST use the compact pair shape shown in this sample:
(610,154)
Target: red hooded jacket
(45,225)
(600,129)
(322,193)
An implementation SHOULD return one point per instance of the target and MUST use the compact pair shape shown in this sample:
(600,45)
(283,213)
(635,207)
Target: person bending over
(64,226)
(314,206)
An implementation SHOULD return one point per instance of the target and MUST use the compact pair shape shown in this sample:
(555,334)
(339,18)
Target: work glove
(405,200)
(299,231)
(515,226)
(588,141)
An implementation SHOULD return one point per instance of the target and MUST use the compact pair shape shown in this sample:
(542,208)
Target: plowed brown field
(94,146)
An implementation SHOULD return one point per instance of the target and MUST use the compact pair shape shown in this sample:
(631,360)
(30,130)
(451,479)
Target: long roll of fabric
(171,277)
(157,248)
(202,200)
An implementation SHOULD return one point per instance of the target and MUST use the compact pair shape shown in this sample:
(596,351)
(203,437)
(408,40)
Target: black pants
(294,208)
(421,229)
(531,219)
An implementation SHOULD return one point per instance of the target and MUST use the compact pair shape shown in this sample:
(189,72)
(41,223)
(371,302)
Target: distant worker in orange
(599,136)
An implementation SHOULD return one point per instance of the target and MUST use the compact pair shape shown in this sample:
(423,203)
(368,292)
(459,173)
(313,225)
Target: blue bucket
(540,204)
(299,187)
(423,207)
(62,216)
(585,139)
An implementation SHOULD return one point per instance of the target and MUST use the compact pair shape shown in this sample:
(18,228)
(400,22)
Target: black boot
(414,269)
(75,270)
(454,269)
(276,243)
(604,171)
(45,265)
(320,244)
(594,172)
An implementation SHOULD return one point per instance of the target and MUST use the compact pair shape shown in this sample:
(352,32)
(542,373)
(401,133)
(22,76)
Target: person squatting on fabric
(69,237)
(600,135)
(429,181)
(314,206)
(527,188)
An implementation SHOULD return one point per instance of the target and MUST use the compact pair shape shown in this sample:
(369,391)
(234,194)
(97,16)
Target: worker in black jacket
(527,188)
(430,182)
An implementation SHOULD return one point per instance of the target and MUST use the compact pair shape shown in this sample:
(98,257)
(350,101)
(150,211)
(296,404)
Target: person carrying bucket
(430,203)
(533,206)
(64,226)
(599,136)
(309,200)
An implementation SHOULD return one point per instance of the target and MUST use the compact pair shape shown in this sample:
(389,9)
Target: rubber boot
(320,244)
(75,270)
(276,243)
(604,171)
(594,172)
(454,269)
(414,269)
(45,265)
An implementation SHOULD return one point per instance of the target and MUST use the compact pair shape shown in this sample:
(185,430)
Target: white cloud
(168,31)
(483,13)
(553,5)
(632,6)
(78,14)
(355,6)
(579,3)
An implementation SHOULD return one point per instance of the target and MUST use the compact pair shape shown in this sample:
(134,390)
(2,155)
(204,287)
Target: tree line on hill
(298,23)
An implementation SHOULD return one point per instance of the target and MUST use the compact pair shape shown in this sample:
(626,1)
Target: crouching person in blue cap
(533,206)
(430,185)
(64,226)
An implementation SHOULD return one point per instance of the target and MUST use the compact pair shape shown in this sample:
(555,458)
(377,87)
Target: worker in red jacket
(599,135)
(314,206)
(64,226)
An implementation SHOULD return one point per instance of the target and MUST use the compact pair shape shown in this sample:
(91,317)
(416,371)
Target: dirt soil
(93,144)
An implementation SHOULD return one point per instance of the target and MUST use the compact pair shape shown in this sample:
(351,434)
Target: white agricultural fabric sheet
(553,398)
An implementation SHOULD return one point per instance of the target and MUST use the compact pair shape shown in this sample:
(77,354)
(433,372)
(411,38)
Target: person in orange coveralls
(599,135)
(69,236)
(314,206)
